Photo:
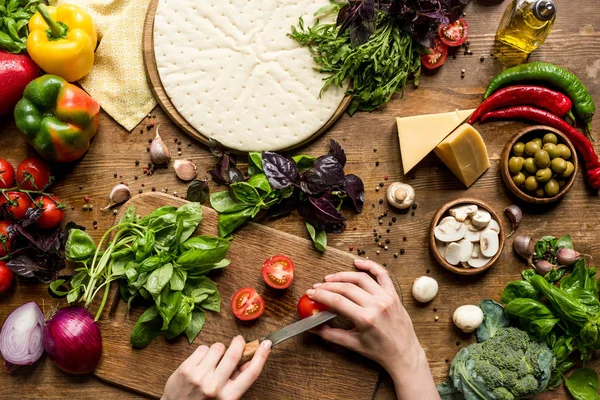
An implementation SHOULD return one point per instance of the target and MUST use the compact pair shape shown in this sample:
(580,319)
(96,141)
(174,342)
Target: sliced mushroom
(453,253)
(441,248)
(489,243)
(466,248)
(493,226)
(473,234)
(477,259)
(481,219)
(461,213)
(447,220)
(465,264)
(450,231)
(400,195)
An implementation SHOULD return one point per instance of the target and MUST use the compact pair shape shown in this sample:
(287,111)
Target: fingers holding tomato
(308,307)
(33,174)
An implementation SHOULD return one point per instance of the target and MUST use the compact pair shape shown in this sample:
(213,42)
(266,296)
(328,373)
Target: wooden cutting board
(304,367)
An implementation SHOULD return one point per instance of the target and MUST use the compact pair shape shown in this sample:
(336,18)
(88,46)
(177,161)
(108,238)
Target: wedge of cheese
(465,154)
(420,134)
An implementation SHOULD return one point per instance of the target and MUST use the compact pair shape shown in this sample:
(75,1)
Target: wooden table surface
(115,151)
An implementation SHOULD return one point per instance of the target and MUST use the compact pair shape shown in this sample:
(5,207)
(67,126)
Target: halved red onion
(21,336)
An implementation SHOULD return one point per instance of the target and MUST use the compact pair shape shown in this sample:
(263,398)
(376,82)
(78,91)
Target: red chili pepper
(555,102)
(582,144)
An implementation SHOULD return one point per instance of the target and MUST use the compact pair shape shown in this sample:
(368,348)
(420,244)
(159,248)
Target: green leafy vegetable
(583,384)
(493,320)
(14,17)
(319,238)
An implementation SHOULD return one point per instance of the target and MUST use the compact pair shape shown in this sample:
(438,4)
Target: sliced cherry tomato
(308,307)
(437,55)
(5,239)
(247,304)
(17,203)
(278,272)
(6,277)
(33,174)
(52,214)
(7,174)
(455,34)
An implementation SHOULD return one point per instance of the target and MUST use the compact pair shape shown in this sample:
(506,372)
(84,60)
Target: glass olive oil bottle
(527,23)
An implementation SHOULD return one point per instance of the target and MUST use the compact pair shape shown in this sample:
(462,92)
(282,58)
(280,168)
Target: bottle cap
(544,10)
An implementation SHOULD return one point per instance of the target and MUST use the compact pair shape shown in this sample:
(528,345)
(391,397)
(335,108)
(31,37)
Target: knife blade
(287,332)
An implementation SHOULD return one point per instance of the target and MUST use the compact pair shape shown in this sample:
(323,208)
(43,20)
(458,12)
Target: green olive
(568,170)
(558,165)
(529,165)
(561,183)
(519,179)
(550,138)
(531,184)
(565,153)
(552,149)
(515,165)
(543,175)
(552,187)
(518,149)
(538,141)
(542,159)
(540,192)
(531,148)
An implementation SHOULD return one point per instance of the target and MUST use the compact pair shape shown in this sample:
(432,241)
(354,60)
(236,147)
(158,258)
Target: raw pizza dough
(232,72)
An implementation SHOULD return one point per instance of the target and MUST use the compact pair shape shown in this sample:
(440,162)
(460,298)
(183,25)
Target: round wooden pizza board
(165,102)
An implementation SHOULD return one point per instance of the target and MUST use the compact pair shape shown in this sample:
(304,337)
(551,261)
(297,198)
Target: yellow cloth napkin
(118,78)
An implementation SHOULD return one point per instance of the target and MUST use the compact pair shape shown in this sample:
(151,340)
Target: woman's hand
(212,373)
(382,329)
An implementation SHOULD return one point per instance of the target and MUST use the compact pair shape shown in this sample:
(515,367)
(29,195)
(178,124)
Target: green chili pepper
(557,76)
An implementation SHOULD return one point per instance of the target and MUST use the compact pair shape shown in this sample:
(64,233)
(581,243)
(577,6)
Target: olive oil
(527,23)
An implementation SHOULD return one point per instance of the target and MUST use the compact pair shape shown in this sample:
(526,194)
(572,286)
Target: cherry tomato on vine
(5,239)
(52,214)
(455,34)
(437,55)
(33,174)
(6,277)
(278,272)
(247,304)
(308,307)
(7,174)
(17,203)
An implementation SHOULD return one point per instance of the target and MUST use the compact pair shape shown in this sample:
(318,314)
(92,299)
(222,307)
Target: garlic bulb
(159,152)
(185,170)
(119,194)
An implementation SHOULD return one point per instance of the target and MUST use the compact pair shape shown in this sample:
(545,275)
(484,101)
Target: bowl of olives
(539,165)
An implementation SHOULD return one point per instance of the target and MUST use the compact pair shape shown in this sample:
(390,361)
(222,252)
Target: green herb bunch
(14,17)
(156,260)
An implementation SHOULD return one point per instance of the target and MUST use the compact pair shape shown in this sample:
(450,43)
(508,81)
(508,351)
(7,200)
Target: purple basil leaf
(235,175)
(337,151)
(326,173)
(325,211)
(322,215)
(281,172)
(31,215)
(42,242)
(355,189)
(43,267)
(285,207)
(344,17)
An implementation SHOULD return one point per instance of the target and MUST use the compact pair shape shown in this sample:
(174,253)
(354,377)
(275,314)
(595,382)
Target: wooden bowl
(443,212)
(524,136)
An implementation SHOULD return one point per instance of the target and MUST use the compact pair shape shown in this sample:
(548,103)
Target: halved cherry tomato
(278,272)
(6,277)
(308,307)
(7,174)
(247,304)
(33,174)
(17,203)
(455,34)
(52,214)
(437,55)
(5,239)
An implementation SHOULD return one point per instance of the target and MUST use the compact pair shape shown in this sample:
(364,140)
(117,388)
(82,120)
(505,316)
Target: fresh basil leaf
(181,320)
(260,182)
(8,44)
(319,238)
(254,163)
(565,242)
(123,253)
(144,293)
(74,294)
(589,333)
(203,270)
(146,329)
(494,319)
(117,267)
(199,288)
(326,173)
(192,216)
(534,316)
(150,264)
(80,246)
(128,216)
(528,273)
(205,243)
(198,191)
(178,279)
(304,162)
(222,202)
(145,245)
(198,258)
(56,286)
(158,279)
(196,324)
(168,304)
(519,289)
(212,302)
(245,193)
(138,281)
(555,275)
(281,172)
(583,384)
(166,210)
(80,279)
(228,222)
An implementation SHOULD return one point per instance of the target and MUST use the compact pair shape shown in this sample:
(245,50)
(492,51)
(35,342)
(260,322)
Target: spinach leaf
(254,163)
(181,320)
(304,162)
(260,182)
(178,279)
(583,384)
(146,329)
(280,171)
(168,304)
(222,202)
(535,317)
(528,273)
(191,214)
(493,320)
(555,275)
(566,306)
(564,241)
(197,191)
(129,215)
(519,289)
(196,324)
(228,222)
(79,247)
(245,193)
(319,238)
(158,279)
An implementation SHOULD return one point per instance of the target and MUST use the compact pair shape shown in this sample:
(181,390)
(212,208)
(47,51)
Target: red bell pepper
(16,71)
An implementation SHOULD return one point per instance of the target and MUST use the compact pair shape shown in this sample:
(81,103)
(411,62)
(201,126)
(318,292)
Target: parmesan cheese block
(465,154)
(232,72)
(420,134)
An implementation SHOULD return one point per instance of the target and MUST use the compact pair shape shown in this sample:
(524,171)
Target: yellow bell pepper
(62,41)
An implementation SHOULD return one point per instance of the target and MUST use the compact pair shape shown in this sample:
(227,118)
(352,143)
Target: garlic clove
(119,194)
(524,246)
(185,170)
(159,152)
(515,215)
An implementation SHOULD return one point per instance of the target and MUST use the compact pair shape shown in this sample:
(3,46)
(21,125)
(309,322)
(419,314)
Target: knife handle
(249,351)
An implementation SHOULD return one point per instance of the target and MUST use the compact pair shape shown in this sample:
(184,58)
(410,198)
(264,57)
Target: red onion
(21,336)
(72,340)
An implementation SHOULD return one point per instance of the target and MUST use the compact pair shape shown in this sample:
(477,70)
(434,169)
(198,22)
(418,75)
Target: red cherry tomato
(278,272)
(455,34)
(5,239)
(52,214)
(6,277)
(33,174)
(247,304)
(7,174)
(17,203)
(308,307)
(437,55)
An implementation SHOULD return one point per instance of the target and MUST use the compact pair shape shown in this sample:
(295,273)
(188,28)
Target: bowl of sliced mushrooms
(466,236)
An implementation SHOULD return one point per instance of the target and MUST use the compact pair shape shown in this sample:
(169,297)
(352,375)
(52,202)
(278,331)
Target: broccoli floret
(502,394)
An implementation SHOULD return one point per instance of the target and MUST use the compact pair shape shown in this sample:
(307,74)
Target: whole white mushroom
(424,289)
(468,318)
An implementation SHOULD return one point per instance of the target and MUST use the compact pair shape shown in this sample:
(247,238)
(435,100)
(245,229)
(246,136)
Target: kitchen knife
(289,331)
